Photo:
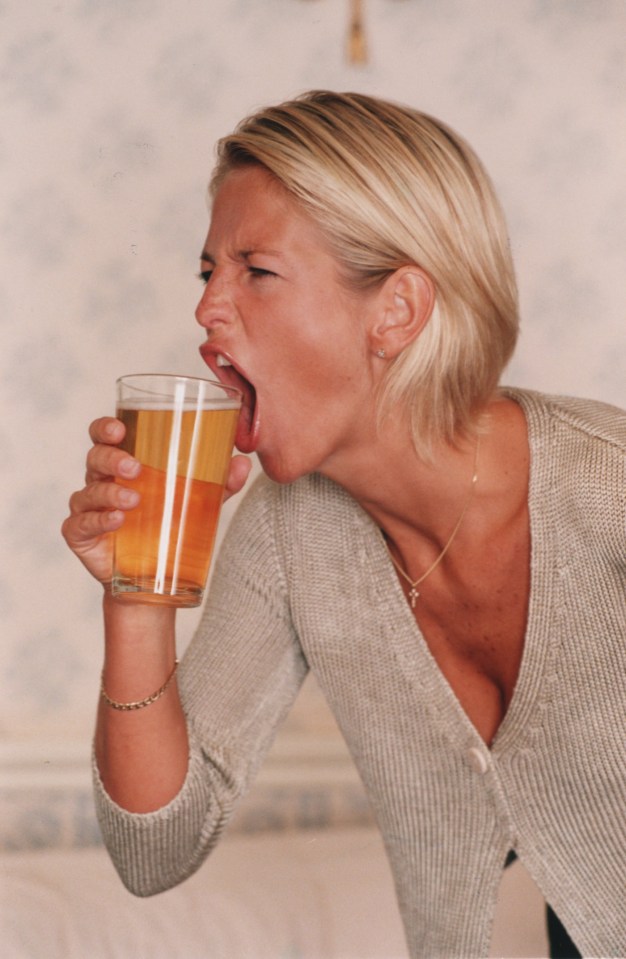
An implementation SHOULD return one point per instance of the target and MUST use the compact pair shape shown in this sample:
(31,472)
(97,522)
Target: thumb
(238,473)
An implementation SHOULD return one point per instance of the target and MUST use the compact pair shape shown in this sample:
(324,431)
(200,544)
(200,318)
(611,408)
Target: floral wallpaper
(110,112)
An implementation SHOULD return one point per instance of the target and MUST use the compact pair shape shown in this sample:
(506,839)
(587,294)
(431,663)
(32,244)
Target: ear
(405,304)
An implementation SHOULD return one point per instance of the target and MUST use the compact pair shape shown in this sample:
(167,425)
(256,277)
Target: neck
(408,498)
(399,490)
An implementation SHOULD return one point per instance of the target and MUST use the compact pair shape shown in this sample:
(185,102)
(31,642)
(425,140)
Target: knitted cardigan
(304,581)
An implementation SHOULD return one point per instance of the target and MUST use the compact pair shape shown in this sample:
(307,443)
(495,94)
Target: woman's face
(295,339)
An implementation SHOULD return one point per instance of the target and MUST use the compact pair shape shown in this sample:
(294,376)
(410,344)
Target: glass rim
(125,380)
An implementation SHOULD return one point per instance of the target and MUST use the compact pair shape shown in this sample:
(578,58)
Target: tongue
(245,436)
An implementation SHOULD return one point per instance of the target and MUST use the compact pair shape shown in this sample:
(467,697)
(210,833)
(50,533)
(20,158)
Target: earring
(381,353)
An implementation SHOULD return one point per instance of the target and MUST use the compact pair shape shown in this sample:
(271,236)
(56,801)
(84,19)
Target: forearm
(240,675)
(142,754)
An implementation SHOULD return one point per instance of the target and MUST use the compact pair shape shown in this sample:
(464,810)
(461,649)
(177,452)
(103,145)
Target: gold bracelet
(126,707)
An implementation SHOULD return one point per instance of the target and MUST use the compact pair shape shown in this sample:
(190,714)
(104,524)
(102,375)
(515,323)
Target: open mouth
(246,437)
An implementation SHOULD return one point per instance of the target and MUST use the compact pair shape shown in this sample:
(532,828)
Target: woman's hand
(98,509)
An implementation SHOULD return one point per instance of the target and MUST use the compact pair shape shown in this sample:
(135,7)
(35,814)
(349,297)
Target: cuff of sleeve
(157,850)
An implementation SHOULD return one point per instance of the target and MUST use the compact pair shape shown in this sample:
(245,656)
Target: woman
(445,555)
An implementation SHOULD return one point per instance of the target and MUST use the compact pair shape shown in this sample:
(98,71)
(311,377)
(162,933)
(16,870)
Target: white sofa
(301,873)
(322,894)
(295,895)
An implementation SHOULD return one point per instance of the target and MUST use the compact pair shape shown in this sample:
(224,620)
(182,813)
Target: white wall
(110,112)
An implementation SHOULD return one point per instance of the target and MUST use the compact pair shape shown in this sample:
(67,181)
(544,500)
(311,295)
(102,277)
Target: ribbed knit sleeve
(237,680)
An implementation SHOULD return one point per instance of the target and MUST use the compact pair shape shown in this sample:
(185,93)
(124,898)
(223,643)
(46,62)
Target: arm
(167,776)
(142,755)
(237,680)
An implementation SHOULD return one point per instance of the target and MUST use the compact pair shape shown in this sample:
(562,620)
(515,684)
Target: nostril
(211,319)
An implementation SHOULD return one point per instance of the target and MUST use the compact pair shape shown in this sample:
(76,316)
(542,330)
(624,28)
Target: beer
(163,550)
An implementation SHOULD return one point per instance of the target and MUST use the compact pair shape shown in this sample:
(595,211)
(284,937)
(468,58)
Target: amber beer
(163,550)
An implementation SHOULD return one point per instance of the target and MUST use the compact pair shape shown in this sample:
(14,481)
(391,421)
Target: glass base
(186,596)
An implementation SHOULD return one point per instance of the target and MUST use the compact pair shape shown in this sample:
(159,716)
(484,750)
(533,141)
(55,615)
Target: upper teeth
(222,361)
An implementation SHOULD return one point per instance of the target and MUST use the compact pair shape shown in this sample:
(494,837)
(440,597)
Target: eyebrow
(206,257)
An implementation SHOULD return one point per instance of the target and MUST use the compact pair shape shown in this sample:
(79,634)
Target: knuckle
(98,464)
(84,525)
(106,429)
(97,428)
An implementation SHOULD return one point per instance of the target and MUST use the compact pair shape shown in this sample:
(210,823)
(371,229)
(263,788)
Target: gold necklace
(414,583)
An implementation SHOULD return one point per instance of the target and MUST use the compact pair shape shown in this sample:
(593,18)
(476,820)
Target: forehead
(251,207)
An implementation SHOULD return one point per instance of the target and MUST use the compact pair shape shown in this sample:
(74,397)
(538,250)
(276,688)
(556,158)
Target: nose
(216,304)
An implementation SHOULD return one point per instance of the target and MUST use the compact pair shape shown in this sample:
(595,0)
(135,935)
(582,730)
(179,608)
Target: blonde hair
(390,186)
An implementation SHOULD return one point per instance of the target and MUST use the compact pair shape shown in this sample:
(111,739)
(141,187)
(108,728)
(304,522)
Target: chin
(280,470)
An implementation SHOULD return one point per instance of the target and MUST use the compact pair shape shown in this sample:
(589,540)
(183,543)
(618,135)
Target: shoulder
(280,530)
(572,417)
(578,464)
(285,511)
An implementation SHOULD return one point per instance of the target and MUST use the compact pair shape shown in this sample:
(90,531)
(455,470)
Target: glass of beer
(181,429)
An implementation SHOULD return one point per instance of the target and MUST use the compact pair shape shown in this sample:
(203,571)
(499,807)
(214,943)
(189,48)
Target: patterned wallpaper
(110,111)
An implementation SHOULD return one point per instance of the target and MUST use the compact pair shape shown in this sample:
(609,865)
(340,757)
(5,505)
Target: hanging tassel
(357,48)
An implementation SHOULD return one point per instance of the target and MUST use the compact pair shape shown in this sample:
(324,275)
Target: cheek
(314,354)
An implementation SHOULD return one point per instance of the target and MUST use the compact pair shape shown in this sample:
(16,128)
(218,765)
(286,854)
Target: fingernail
(129,467)
(128,497)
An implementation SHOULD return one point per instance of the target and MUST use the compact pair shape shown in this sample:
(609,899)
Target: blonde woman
(445,554)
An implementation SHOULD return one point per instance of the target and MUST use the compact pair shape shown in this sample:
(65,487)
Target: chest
(474,624)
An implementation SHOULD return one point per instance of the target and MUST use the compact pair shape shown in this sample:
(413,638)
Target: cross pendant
(413,594)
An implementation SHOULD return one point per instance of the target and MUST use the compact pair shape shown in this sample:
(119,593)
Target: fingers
(102,496)
(105,458)
(109,462)
(99,508)
(80,530)
(107,429)
(86,534)
(94,511)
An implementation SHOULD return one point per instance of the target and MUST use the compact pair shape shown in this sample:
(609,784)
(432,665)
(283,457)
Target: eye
(258,271)
(204,276)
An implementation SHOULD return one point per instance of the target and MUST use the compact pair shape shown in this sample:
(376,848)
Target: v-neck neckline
(523,715)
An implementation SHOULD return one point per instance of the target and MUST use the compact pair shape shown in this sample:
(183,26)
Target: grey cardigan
(304,581)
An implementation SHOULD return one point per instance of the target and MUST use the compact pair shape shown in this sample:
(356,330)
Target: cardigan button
(477,760)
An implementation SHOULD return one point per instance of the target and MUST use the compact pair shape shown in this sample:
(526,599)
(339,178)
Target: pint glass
(181,429)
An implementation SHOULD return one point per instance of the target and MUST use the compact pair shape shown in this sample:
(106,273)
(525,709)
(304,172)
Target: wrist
(138,638)
(137,703)
(137,616)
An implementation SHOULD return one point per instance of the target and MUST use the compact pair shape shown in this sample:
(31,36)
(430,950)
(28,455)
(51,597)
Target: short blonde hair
(390,186)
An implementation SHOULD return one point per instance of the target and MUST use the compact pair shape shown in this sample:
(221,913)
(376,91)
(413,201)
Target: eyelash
(205,275)
(259,271)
